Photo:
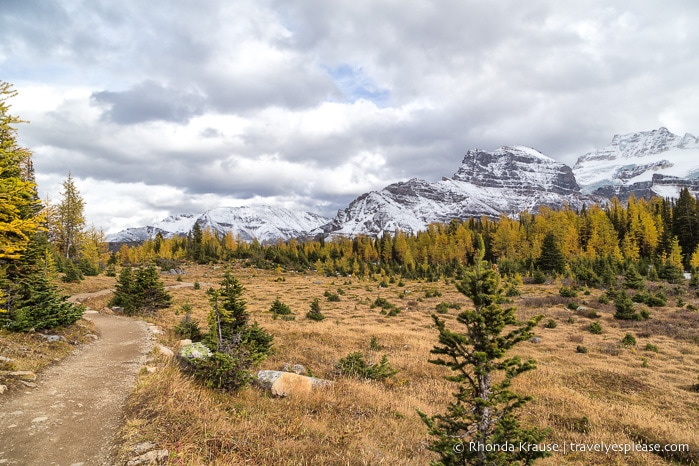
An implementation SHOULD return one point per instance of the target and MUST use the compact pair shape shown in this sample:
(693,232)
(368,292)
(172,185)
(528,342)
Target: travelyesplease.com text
(571,447)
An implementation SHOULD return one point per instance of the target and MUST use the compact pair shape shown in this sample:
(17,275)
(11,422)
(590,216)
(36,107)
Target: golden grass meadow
(610,395)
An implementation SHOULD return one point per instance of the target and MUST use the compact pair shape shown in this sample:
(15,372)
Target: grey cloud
(149,101)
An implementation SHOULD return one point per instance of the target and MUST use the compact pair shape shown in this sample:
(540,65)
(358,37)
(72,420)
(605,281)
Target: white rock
(152,457)
(165,351)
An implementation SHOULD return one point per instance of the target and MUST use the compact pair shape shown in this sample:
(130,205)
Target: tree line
(593,244)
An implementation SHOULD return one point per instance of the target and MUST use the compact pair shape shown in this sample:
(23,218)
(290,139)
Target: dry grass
(617,397)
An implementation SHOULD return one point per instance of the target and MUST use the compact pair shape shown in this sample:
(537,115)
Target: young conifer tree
(70,220)
(480,426)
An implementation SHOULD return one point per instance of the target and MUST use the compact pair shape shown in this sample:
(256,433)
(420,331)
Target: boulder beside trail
(283,384)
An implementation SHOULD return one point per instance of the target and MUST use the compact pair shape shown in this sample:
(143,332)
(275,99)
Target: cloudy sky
(165,107)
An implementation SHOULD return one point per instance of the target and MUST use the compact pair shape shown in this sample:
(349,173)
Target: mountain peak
(517,167)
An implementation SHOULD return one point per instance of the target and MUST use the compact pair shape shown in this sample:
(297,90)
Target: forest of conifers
(658,236)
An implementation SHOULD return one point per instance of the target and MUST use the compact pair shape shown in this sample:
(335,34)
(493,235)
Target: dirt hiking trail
(73,415)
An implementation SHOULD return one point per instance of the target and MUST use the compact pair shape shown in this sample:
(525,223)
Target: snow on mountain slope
(630,162)
(508,180)
(264,223)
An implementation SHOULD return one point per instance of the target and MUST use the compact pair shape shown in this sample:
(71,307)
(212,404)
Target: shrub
(278,308)
(110,271)
(596,328)
(224,370)
(581,349)
(315,312)
(612,349)
(650,299)
(197,286)
(332,297)
(387,308)
(539,277)
(188,327)
(512,291)
(433,293)
(551,324)
(443,308)
(573,306)
(628,340)
(354,365)
(651,347)
(695,387)
(568,292)
(71,272)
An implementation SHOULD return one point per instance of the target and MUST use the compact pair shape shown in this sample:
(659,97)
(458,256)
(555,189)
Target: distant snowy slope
(630,162)
(264,223)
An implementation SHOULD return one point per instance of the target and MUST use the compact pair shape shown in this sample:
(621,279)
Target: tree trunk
(484,420)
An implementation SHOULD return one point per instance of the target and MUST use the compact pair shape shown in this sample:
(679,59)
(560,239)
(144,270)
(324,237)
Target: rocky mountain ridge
(506,181)
(264,223)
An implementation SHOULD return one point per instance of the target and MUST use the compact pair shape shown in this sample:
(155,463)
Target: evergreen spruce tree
(124,292)
(315,312)
(633,279)
(150,290)
(35,303)
(236,345)
(228,321)
(483,412)
(229,315)
(624,306)
(140,292)
(551,259)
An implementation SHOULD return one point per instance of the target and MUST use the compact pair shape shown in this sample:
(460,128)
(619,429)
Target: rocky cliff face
(517,168)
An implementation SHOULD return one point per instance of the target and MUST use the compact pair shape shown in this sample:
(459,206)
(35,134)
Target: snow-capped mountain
(644,163)
(508,180)
(264,223)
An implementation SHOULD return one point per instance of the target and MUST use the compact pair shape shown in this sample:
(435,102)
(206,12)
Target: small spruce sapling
(484,407)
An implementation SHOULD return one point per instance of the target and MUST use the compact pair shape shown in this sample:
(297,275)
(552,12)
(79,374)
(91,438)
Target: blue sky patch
(355,85)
